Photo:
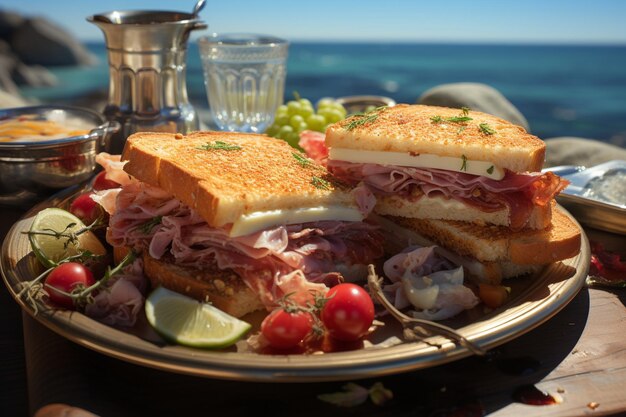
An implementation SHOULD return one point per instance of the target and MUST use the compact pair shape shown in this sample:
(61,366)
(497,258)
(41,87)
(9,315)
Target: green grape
(305,102)
(301,127)
(325,102)
(272,130)
(316,122)
(281,120)
(297,115)
(293,107)
(296,120)
(339,107)
(332,115)
(293,139)
(306,111)
(284,132)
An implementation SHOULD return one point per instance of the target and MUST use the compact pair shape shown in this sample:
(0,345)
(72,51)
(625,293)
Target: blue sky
(521,21)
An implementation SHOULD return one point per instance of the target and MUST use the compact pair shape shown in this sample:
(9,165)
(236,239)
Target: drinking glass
(244,75)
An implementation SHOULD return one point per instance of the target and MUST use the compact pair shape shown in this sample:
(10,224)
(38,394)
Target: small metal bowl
(360,104)
(33,170)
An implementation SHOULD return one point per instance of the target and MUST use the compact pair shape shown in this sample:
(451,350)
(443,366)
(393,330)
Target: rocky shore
(28,46)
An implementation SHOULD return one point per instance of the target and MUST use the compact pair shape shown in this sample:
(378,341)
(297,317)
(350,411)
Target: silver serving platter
(596,195)
(534,300)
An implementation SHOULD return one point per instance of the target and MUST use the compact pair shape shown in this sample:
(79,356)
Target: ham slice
(430,284)
(148,219)
(520,192)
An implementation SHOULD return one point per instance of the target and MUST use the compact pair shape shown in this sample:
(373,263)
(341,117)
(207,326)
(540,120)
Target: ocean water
(562,90)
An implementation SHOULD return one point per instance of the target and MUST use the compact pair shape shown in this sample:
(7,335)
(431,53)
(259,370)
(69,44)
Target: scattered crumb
(593,405)
(560,390)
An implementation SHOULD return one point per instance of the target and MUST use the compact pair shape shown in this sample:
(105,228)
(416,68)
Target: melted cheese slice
(467,166)
(253,222)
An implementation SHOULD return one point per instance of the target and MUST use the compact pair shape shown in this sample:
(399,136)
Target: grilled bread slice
(493,253)
(420,129)
(223,176)
(222,288)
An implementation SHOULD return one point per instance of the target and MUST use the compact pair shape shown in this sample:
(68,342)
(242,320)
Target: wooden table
(578,356)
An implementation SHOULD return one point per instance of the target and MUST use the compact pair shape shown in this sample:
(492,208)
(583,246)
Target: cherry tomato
(66,277)
(85,208)
(348,313)
(285,330)
(102,183)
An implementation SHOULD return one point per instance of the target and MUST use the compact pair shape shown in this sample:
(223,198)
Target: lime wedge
(188,322)
(51,249)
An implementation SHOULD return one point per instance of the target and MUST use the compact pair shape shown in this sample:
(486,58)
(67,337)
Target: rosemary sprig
(486,129)
(32,291)
(361,119)
(320,183)
(219,145)
(83,295)
(69,236)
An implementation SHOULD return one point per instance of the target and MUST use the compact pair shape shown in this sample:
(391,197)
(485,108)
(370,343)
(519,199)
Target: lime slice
(188,322)
(51,249)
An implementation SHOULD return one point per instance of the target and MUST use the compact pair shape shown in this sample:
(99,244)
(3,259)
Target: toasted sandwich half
(239,219)
(432,162)
(488,254)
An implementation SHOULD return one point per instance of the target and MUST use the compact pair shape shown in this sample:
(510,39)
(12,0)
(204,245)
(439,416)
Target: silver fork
(413,328)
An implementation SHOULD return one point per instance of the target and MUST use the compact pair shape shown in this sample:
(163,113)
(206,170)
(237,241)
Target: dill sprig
(463,118)
(464,163)
(218,145)
(302,160)
(320,183)
(361,119)
(147,227)
(486,129)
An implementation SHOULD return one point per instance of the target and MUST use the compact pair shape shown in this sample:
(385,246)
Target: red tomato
(85,208)
(285,330)
(102,183)
(66,277)
(348,313)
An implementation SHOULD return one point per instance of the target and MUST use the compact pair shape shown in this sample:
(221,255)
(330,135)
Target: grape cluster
(299,114)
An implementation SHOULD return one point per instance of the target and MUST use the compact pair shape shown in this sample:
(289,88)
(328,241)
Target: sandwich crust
(561,240)
(254,173)
(411,129)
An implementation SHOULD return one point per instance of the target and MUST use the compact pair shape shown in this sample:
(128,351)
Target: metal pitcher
(147,63)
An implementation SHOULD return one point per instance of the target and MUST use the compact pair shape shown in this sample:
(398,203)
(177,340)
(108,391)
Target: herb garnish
(490,170)
(464,164)
(147,227)
(303,161)
(361,119)
(486,129)
(219,145)
(463,118)
(320,183)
